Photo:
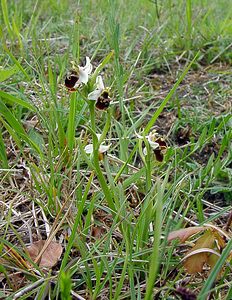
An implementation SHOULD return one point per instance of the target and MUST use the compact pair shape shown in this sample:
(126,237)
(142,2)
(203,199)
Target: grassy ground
(168,66)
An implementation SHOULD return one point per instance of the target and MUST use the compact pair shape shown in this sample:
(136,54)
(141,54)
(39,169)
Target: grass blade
(13,99)
(168,97)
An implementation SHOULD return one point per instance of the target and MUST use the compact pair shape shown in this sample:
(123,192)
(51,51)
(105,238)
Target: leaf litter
(50,256)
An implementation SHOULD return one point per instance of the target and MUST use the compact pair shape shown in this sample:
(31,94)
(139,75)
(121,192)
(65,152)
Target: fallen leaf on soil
(220,241)
(207,247)
(50,256)
(185,233)
(220,234)
(97,232)
(212,259)
(195,263)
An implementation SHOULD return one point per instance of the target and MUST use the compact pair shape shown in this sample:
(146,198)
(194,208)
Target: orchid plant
(90,87)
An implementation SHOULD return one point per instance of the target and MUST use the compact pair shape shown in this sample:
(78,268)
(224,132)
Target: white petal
(152,140)
(83,76)
(153,145)
(89,148)
(104,148)
(94,95)
(88,66)
(99,83)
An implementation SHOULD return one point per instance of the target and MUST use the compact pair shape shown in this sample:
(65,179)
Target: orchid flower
(100,94)
(85,71)
(151,138)
(157,144)
(79,75)
(102,148)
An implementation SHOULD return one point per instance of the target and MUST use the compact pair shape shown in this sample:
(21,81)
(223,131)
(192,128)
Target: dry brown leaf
(226,236)
(97,232)
(212,259)
(220,241)
(50,256)
(185,233)
(195,263)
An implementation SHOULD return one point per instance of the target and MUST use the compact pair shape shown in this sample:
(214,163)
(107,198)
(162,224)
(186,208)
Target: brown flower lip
(71,80)
(161,150)
(103,101)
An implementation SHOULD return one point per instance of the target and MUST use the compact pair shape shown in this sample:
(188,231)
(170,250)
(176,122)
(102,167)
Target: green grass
(168,66)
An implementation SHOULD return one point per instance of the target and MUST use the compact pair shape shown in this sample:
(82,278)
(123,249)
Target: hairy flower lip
(103,101)
(100,95)
(71,80)
(79,75)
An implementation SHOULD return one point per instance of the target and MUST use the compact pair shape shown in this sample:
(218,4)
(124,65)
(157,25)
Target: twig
(28,288)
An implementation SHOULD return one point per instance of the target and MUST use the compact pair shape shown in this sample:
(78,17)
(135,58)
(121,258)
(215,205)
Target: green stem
(155,256)
(147,163)
(101,178)
(148,170)
(106,127)
(71,122)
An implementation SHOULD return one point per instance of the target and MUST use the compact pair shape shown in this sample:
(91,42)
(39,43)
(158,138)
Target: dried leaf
(97,232)
(195,263)
(220,231)
(220,241)
(185,233)
(212,259)
(50,256)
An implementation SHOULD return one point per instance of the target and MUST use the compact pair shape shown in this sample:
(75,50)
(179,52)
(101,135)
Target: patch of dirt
(166,121)
(203,156)
(220,198)
(207,84)
(183,134)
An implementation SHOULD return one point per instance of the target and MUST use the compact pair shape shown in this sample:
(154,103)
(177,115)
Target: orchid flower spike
(79,75)
(100,94)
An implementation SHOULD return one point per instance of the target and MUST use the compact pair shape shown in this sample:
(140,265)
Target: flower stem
(106,127)
(148,172)
(71,122)
(98,170)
